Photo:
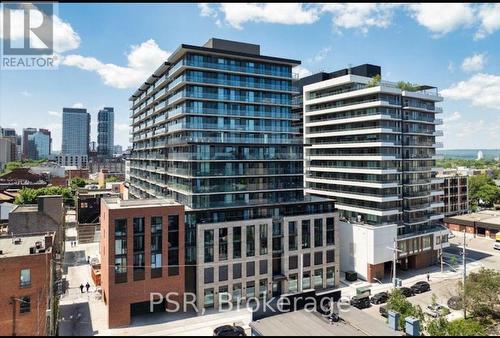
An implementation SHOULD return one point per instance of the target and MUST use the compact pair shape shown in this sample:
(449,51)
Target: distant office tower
(105,132)
(9,134)
(75,131)
(371,145)
(212,128)
(26,133)
(39,145)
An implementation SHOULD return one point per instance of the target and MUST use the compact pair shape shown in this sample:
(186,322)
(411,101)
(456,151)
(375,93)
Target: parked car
(435,310)
(380,298)
(451,235)
(407,292)
(383,311)
(420,287)
(360,301)
(229,331)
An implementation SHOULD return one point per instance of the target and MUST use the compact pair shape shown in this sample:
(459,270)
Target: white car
(434,310)
(451,235)
(496,246)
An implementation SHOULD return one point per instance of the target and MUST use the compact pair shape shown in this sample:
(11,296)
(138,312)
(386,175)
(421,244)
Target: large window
(330,231)
(250,240)
(139,259)
(223,244)
(330,277)
(236,242)
(209,246)
(306,234)
(25,278)
(263,239)
(120,251)
(318,232)
(292,236)
(173,245)
(156,247)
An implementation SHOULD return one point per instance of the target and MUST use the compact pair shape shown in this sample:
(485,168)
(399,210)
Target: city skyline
(454,53)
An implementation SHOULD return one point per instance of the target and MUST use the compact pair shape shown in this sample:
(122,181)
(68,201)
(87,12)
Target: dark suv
(360,301)
(380,298)
(420,287)
(407,292)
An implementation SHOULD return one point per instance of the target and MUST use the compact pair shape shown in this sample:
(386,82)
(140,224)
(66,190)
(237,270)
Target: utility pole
(442,268)
(395,251)
(465,279)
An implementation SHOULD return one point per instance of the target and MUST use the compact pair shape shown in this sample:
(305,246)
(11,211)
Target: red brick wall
(460,228)
(120,296)
(375,271)
(33,322)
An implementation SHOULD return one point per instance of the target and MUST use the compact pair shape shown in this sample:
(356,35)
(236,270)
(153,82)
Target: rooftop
(117,203)
(11,249)
(487,217)
(305,323)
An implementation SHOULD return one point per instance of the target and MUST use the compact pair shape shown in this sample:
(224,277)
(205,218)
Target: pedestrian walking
(87,286)
(81,288)
(428,277)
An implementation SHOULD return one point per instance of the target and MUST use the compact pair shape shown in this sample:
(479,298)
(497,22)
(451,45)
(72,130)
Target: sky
(106,51)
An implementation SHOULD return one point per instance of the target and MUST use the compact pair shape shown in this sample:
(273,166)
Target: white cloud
(65,38)
(25,93)
(481,89)
(206,10)
(237,14)
(143,60)
(455,116)
(451,67)
(55,113)
(489,14)
(301,71)
(122,127)
(360,15)
(77,105)
(321,55)
(442,18)
(474,63)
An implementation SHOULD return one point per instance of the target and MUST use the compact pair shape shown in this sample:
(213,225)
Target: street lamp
(395,250)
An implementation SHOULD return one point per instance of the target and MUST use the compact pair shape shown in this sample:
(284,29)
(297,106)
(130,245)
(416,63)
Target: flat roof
(481,218)
(10,249)
(305,323)
(117,203)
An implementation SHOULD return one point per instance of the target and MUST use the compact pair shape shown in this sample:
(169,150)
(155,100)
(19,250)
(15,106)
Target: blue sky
(107,50)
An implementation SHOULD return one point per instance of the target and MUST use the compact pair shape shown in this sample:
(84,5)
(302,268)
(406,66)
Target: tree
(397,302)
(482,187)
(77,182)
(30,196)
(460,327)
(111,179)
(482,290)
(374,81)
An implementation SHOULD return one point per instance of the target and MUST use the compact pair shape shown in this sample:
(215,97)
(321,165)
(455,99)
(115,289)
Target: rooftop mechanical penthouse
(213,128)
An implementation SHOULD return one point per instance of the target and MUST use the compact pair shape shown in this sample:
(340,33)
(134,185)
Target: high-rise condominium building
(25,142)
(75,132)
(371,145)
(105,132)
(212,129)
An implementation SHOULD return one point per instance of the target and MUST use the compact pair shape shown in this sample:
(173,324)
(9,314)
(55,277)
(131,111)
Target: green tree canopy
(397,302)
(77,182)
(30,196)
(482,291)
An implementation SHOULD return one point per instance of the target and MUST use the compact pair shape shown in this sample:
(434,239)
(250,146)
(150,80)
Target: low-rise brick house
(26,292)
(142,252)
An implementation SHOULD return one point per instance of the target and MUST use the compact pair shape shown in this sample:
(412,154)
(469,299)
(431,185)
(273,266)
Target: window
(209,298)
(318,258)
(330,256)
(263,288)
(139,259)
(250,289)
(293,263)
(330,231)
(121,251)
(306,281)
(292,236)
(25,278)
(250,269)
(173,245)
(426,241)
(237,271)
(318,232)
(236,292)
(250,240)
(209,246)
(263,267)
(223,273)
(237,242)
(263,239)
(330,277)
(223,244)
(318,279)
(208,276)
(306,234)
(292,283)
(156,247)
(24,304)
